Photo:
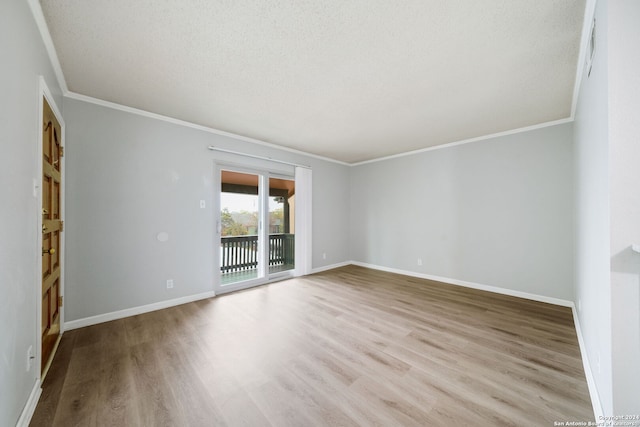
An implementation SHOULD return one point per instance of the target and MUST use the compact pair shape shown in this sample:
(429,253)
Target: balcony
(239,256)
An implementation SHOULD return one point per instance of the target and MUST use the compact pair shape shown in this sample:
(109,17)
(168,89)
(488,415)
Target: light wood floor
(350,346)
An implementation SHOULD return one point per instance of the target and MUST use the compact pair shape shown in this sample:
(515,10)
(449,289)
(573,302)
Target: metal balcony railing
(240,253)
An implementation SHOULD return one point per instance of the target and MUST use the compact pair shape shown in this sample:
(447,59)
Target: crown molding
(467,141)
(36,11)
(589,13)
(144,113)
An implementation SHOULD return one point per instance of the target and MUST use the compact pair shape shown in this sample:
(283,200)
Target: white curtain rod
(224,150)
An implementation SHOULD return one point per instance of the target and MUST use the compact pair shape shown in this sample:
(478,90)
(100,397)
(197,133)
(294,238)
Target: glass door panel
(240,238)
(281,225)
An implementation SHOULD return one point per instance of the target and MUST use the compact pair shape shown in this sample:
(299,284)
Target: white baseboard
(330,267)
(591,382)
(30,406)
(114,315)
(494,289)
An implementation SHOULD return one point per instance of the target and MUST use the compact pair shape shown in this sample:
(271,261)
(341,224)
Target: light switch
(203,204)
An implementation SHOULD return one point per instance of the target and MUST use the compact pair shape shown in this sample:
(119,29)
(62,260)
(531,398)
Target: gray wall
(624,132)
(608,208)
(130,177)
(497,212)
(23,60)
(593,291)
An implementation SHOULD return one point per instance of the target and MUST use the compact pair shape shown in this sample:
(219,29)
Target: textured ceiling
(349,80)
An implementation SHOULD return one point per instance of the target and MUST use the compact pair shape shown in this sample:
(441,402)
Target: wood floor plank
(239,409)
(349,346)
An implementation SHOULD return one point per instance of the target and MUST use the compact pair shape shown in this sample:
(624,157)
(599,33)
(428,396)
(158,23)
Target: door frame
(45,93)
(263,230)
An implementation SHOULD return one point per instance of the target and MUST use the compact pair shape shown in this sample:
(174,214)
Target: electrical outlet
(419,261)
(170,284)
(30,358)
(203,204)
(324,255)
(579,305)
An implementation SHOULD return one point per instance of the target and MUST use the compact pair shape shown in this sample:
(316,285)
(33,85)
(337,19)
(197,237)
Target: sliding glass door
(256,228)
